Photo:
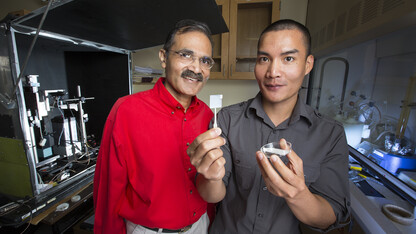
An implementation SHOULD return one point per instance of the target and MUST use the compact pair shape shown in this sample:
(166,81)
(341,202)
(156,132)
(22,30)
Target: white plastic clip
(215,101)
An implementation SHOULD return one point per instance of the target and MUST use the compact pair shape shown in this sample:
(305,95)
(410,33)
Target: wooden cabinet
(235,52)
(339,24)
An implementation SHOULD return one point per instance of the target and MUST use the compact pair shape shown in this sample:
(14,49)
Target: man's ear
(309,64)
(162,57)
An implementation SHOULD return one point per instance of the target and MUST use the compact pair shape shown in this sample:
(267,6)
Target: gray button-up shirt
(248,206)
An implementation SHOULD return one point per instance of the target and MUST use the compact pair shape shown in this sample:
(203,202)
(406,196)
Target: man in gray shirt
(258,195)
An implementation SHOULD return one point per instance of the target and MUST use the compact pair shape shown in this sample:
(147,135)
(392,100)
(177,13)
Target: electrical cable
(21,203)
(30,220)
(40,178)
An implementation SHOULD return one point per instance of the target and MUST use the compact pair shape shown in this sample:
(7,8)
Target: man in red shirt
(144,181)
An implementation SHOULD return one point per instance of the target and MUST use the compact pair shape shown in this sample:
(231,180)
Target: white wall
(233,91)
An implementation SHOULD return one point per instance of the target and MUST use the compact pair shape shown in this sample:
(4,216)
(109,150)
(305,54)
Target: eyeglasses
(187,58)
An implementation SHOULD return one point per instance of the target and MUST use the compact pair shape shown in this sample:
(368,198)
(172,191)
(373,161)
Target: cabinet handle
(223,70)
(231,70)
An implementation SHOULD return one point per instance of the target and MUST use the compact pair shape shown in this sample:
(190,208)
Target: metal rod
(344,83)
(30,49)
(81,119)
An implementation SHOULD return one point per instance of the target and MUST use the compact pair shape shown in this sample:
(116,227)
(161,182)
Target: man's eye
(207,61)
(263,59)
(186,55)
(289,59)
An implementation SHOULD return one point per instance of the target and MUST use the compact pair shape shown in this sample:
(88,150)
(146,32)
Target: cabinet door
(247,21)
(220,50)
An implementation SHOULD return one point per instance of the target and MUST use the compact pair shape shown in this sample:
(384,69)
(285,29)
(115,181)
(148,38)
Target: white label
(215,101)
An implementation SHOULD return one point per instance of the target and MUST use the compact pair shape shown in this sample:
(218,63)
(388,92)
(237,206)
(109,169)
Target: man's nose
(274,69)
(195,65)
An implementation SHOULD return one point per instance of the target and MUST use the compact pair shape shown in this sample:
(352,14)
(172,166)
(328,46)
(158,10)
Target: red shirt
(143,173)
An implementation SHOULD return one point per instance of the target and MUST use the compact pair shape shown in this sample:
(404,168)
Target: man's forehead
(187,42)
(180,37)
(293,36)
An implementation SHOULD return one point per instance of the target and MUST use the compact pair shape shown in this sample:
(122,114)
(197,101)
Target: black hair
(184,26)
(288,24)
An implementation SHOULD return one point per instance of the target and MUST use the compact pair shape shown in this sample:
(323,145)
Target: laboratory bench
(380,202)
(64,214)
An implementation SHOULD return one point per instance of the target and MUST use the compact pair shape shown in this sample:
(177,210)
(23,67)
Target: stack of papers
(148,71)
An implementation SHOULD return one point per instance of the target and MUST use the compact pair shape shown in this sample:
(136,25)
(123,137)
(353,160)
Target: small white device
(75,198)
(62,207)
(215,101)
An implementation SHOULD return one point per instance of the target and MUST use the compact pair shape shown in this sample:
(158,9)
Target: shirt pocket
(245,176)
(311,172)
(245,167)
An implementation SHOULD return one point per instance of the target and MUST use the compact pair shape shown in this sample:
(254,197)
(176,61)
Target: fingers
(211,133)
(267,169)
(205,154)
(271,178)
(204,149)
(212,169)
(295,162)
(204,143)
(283,144)
(282,180)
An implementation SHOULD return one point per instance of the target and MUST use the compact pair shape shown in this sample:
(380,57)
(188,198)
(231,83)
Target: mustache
(193,75)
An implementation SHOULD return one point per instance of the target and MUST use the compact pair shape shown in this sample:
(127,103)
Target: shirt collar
(256,106)
(299,112)
(168,99)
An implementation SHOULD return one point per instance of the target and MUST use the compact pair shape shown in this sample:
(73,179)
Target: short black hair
(184,26)
(288,24)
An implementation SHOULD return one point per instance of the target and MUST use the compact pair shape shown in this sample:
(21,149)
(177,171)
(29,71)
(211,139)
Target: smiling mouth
(274,85)
(191,79)
(192,76)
